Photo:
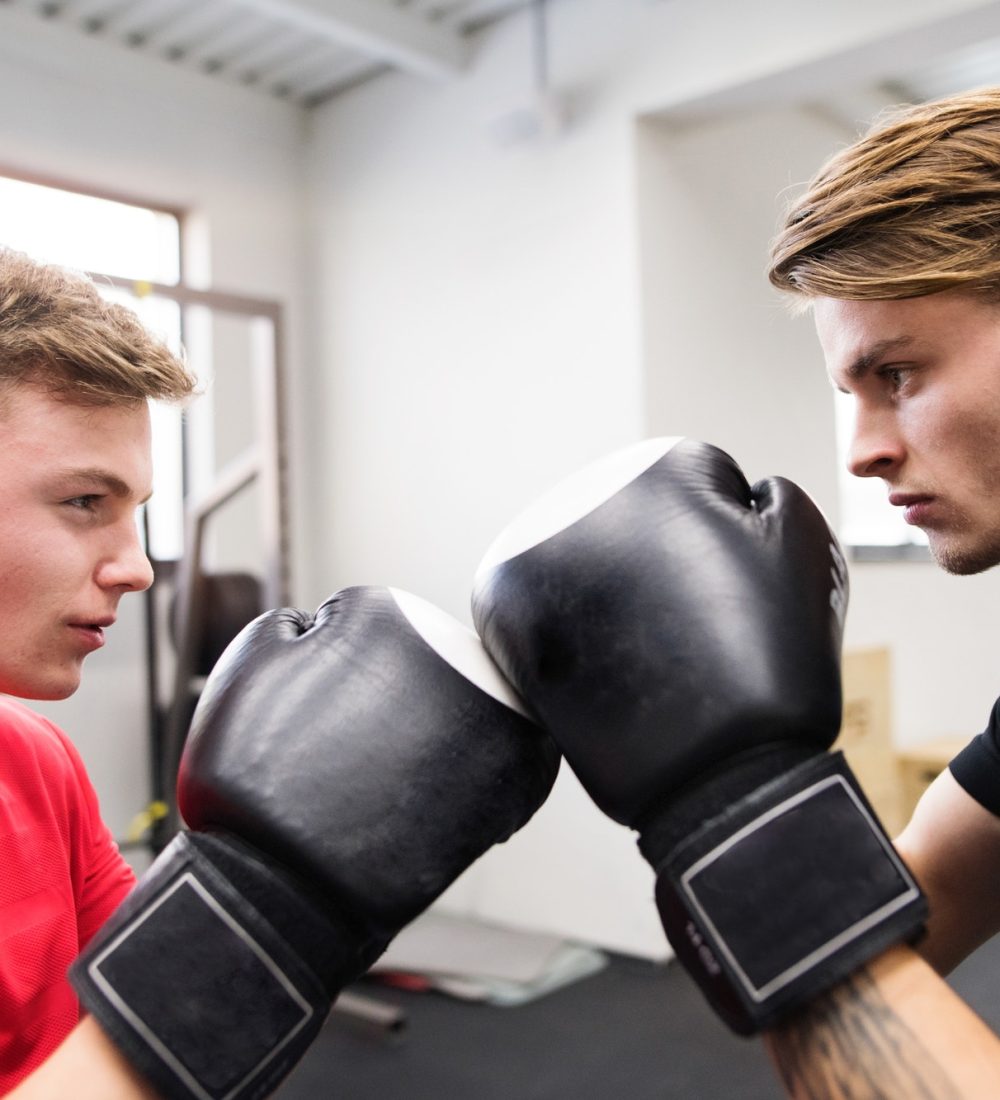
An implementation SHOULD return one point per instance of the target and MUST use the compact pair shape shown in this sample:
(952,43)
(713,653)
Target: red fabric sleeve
(102,878)
(61,875)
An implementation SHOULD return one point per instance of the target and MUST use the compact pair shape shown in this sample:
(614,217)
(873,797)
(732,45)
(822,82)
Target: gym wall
(472,317)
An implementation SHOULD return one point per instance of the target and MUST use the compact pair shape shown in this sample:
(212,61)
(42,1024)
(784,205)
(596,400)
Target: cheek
(927,427)
(27,591)
(40,572)
(975,433)
(949,429)
(27,651)
(982,453)
(959,445)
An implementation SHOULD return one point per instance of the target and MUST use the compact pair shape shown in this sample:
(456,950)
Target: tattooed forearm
(851,1045)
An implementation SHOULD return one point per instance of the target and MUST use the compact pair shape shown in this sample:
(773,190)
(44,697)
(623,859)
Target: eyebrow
(108,481)
(860,366)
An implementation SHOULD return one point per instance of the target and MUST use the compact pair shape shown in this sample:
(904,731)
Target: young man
(318,745)
(76,374)
(895,246)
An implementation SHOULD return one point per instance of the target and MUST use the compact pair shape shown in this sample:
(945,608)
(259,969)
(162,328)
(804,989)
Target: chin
(57,693)
(965,560)
(40,694)
(44,691)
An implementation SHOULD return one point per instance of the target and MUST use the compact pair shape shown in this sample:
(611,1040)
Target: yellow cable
(145,820)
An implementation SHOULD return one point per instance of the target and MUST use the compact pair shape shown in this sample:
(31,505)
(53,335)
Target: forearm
(894,1029)
(87,1066)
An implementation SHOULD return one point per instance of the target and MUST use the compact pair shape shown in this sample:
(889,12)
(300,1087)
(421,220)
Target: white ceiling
(306,51)
(970,67)
(301,50)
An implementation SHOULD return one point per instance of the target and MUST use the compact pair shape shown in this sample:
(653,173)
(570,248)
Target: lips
(91,631)
(99,622)
(917,507)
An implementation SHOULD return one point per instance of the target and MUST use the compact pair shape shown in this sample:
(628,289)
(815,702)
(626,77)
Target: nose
(876,448)
(125,566)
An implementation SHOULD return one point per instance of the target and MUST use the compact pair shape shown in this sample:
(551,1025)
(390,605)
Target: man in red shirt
(342,768)
(76,375)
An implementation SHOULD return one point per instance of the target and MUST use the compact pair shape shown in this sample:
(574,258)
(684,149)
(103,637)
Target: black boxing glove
(679,634)
(341,771)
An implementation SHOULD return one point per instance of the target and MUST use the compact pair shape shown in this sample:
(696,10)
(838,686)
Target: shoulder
(977,767)
(29,740)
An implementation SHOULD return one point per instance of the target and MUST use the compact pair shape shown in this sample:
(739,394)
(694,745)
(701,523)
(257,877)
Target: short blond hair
(911,208)
(56,331)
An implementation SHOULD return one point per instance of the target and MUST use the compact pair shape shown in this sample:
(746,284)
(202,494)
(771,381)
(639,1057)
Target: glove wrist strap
(196,987)
(785,894)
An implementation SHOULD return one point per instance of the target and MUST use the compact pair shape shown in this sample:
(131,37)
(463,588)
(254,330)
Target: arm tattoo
(850,1045)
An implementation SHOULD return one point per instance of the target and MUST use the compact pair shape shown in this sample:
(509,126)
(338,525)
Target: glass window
(129,241)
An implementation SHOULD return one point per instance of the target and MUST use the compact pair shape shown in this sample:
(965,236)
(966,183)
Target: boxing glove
(341,770)
(679,634)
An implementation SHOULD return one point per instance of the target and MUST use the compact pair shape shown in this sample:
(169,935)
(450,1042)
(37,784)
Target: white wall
(495,315)
(471,319)
(478,317)
(723,361)
(479,327)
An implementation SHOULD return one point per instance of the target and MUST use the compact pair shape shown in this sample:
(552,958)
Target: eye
(895,376)
(86,503)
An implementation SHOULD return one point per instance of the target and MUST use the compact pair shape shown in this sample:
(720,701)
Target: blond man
(895,248)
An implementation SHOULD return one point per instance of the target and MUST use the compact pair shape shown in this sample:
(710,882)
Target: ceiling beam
(478,13)
(878,57)
(385,33)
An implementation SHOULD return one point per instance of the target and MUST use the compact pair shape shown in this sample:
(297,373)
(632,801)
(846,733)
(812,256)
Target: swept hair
(56,331)
(911,208)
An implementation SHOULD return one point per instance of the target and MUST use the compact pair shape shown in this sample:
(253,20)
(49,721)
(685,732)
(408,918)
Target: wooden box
(866,734)
(920,765)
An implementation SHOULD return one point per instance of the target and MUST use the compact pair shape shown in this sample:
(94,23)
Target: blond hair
(56,331)
(911,208)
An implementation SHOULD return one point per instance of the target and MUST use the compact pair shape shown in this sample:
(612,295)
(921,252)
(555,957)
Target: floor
(636,1030)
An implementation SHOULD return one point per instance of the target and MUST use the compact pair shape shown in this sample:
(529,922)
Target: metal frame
(263,463)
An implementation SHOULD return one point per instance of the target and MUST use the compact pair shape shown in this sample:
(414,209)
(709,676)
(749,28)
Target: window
(869,526)
(129,241)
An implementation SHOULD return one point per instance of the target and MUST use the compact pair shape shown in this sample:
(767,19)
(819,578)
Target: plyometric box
(866,733)
(921,765)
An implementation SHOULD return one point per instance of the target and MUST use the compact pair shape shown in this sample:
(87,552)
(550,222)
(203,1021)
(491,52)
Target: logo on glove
(838,594)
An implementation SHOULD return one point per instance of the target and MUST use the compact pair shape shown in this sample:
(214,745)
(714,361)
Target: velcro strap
(196,988)
(785,894)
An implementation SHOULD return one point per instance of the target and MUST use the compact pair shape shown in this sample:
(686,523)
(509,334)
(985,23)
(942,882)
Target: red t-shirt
(61,875)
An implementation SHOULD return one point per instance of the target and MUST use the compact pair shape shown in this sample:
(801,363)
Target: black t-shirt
(977,766)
